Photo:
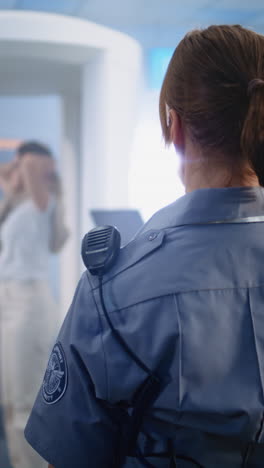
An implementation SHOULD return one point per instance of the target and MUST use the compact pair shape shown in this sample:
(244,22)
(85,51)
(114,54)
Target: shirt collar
(209,205)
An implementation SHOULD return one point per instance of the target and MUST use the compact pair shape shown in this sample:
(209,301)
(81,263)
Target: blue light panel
(158,61)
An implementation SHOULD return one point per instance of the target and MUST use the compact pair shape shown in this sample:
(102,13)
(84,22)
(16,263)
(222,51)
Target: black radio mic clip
(100,248)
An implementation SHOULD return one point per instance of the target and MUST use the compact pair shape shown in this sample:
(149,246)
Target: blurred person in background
(31,228)
(186,295)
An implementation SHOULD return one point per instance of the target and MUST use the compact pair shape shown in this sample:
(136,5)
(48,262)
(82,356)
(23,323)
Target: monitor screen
(128,222)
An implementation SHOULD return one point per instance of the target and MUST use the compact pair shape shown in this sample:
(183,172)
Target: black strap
(144,398)
(142,402)
(118,337)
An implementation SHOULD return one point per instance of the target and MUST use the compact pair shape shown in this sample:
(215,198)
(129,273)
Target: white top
(25,238)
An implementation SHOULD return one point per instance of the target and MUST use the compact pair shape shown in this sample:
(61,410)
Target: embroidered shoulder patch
(56,376)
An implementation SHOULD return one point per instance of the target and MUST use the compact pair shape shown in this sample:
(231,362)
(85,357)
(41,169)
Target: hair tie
(254,84)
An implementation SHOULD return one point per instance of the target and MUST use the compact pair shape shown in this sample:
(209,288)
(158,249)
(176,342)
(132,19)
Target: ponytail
(252,136)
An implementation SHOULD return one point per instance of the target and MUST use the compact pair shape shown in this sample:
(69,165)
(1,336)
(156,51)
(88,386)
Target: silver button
(152,236)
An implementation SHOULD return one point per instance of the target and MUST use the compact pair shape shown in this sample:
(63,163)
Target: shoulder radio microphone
(100,249)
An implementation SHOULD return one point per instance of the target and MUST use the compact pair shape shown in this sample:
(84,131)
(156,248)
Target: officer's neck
(199,171)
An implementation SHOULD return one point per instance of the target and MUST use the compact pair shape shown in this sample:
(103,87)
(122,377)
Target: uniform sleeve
(71,425)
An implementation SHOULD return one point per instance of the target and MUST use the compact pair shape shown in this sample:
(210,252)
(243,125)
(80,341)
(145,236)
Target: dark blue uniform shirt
(187,295)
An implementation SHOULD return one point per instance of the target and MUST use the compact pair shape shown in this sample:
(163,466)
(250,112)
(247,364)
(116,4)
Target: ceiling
(155,23)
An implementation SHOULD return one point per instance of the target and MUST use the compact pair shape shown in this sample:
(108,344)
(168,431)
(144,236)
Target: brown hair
(34,147)
(215,82)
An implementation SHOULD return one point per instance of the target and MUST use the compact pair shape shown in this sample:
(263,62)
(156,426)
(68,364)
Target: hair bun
(254,84)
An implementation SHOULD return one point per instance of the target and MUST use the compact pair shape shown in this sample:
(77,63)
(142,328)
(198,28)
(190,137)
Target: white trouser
(28,328)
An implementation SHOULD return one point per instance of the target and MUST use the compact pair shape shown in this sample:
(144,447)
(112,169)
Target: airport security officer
(160,361)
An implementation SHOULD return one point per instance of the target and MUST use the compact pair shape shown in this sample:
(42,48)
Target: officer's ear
(177,136)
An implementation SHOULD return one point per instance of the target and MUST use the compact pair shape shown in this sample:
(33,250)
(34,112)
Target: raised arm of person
(9,176)
(7,168)
(59,232)
(5,206)
(10,184)
(35,172)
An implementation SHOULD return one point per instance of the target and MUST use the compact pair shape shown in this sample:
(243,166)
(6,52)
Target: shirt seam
(177,293)
(102,341)
(180,349)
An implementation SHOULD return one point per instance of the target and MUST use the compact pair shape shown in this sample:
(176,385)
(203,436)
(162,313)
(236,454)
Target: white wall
(110,105)
(154,180)
(97,74)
